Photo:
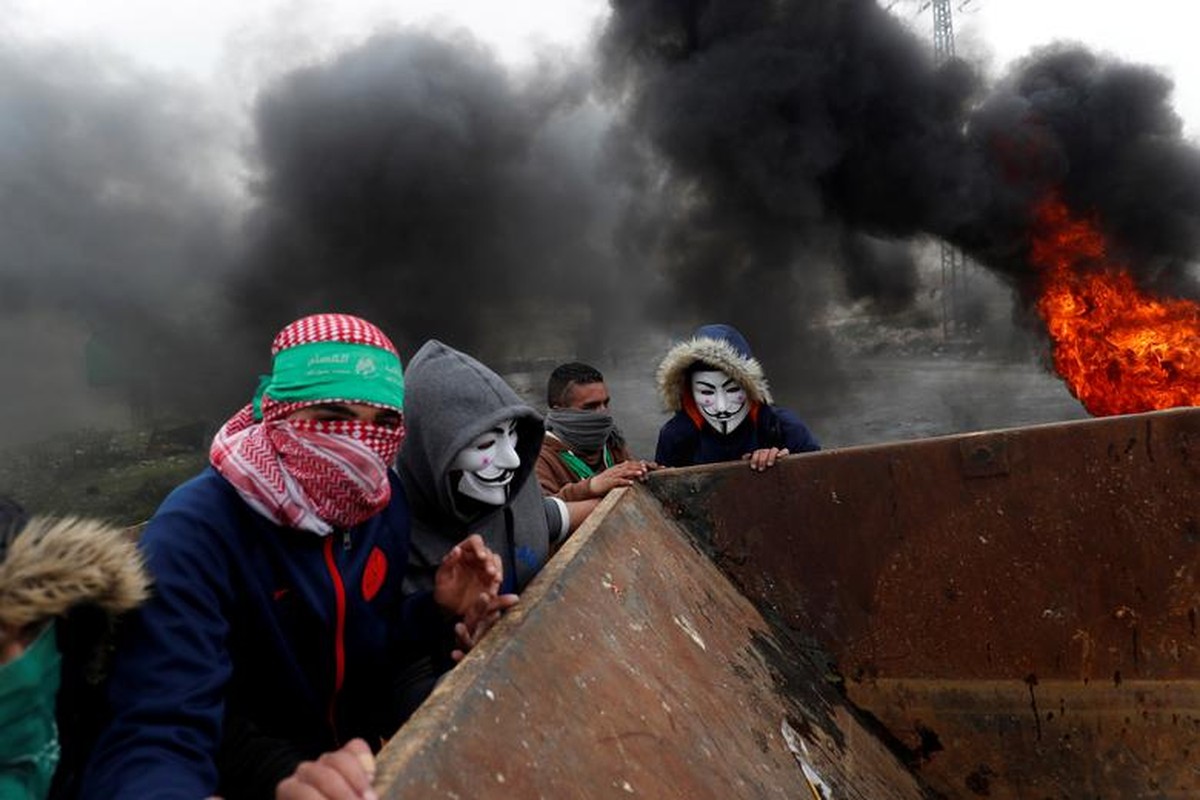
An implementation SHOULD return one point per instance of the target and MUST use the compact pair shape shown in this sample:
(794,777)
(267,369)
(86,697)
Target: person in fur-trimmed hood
(722,404)
(63,582)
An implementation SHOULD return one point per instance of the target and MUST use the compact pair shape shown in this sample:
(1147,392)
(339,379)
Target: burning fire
(1119,350)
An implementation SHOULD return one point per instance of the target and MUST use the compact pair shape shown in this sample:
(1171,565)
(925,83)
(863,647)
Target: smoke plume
(796,147)
(1104,135)
(740,161)
(113,229)
(417,182)
(790,139)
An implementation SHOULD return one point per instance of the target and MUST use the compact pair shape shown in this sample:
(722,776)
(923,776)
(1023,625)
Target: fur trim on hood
(718,347)
(55,565)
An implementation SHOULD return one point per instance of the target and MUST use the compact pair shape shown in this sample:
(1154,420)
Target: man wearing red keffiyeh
(313,449)
(266,659)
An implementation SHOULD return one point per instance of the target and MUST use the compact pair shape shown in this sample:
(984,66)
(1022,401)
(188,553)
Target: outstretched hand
(344,774)
(485,613)
(623,474)
(469,570)
(764,458)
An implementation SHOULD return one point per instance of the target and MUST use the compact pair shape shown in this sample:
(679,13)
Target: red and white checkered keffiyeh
(331,328)
(307,474)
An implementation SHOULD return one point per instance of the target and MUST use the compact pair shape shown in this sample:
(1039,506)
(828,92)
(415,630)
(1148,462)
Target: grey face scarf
(584,431)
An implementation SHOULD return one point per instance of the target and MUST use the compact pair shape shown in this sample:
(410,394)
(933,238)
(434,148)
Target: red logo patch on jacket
(375,573)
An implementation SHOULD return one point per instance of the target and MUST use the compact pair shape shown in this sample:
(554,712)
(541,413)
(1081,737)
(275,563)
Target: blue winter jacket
(296,637)
(682,444)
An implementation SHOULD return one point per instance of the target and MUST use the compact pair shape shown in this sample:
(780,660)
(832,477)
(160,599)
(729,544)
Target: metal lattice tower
(954,263)
(943,31)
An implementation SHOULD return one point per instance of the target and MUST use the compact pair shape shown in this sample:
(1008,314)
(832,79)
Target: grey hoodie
(450,399)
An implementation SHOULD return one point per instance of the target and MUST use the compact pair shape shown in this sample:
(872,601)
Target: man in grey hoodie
(467,466)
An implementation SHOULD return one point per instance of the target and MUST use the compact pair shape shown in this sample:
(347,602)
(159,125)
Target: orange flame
(1119,350)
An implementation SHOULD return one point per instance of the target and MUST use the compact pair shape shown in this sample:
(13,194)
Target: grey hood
(450,399)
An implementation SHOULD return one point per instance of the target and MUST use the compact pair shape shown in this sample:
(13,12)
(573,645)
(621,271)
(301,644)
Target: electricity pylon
(954,262)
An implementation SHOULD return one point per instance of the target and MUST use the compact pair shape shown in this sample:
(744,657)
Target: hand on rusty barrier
(485,613)
(344,774)
(467,571)
(623,474)
(760,460)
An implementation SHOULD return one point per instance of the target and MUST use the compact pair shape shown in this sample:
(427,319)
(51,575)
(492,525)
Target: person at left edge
(64,584)
(263,664)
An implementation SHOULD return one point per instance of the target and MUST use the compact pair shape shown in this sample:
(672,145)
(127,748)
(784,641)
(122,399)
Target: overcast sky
(208,39)
(199,37)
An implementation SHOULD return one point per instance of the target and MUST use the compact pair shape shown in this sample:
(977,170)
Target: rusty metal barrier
(1017,608)
(1009,614)
(634,668)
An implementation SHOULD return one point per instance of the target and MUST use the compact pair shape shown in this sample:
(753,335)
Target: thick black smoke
(1104,136)
(113,229)
(790,140)
(742,161)
(417,182)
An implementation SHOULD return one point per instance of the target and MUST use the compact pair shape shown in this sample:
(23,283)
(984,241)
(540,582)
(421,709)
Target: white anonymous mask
(488,463)
(721,400)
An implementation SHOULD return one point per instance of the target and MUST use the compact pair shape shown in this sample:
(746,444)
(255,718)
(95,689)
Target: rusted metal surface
(633,667)
(1019,608)
(1050,739)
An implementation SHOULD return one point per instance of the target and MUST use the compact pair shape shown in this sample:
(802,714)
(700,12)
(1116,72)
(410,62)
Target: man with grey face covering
(583,455)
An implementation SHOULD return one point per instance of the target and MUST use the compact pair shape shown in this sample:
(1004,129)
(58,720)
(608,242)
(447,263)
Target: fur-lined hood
(55,565)
(719,347)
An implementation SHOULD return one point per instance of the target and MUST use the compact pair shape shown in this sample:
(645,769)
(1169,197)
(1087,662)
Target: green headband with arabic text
(352,373)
